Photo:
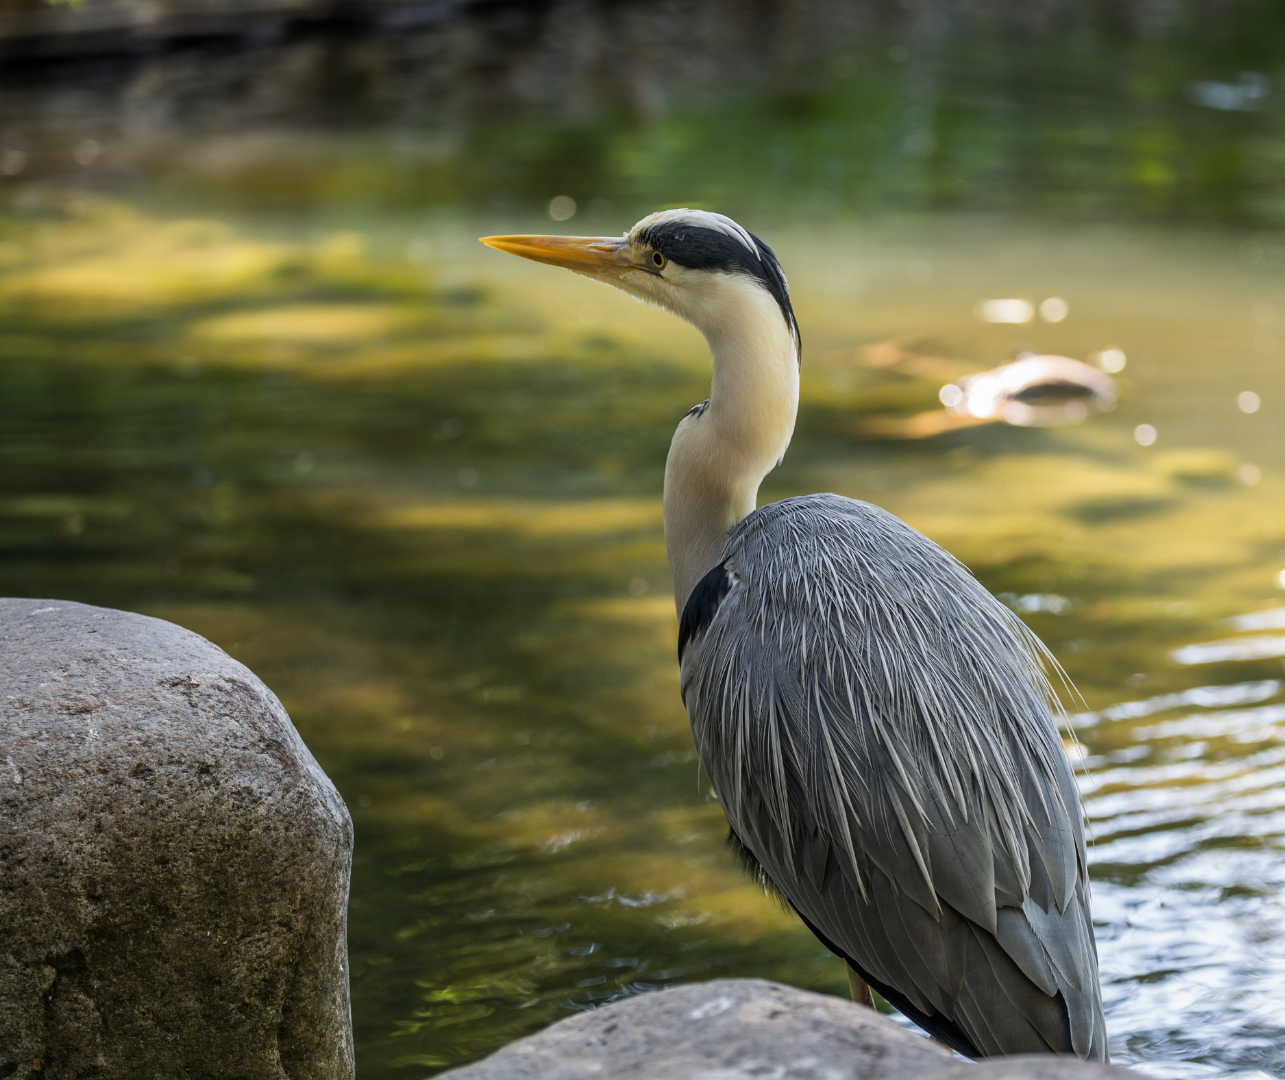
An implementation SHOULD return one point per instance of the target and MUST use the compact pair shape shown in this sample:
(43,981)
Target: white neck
(718,458)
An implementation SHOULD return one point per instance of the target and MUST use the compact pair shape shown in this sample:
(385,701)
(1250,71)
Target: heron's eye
(658,260)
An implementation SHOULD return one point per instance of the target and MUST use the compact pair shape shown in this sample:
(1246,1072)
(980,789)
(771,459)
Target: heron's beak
(591,255)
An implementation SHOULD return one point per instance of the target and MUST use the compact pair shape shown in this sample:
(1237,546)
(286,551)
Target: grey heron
(878,728)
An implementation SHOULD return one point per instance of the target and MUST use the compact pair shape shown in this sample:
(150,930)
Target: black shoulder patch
(699,610)
(697,410)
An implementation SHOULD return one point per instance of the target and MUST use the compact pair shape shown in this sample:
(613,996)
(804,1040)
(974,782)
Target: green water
(414,485)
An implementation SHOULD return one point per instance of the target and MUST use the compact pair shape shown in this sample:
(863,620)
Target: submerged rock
(173,863)
(738,1029)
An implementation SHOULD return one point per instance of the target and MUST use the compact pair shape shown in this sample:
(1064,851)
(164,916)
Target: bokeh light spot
(562,208)
(1009,310)
(1054,309)
(1112,360)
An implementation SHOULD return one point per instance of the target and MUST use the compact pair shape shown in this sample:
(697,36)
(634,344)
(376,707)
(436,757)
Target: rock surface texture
(749,1029)
(173,863)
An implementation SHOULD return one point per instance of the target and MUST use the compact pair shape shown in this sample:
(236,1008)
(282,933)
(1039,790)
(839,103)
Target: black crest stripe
(699,248)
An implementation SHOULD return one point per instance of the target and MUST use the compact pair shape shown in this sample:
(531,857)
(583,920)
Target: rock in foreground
(741,1029)
(173,863)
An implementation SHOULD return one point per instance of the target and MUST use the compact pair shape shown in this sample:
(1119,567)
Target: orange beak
(590,255)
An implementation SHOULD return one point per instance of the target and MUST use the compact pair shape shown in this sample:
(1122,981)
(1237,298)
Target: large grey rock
(173,863)
(748,1029)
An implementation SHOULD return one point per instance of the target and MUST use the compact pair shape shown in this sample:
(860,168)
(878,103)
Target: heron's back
(879,732)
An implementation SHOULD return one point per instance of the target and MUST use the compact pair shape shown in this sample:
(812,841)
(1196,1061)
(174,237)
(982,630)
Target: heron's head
(702,266)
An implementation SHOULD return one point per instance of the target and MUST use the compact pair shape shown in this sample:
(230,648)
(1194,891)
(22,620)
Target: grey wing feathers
(879,732)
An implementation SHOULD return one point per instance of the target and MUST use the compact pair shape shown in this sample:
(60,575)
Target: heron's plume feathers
(858,680)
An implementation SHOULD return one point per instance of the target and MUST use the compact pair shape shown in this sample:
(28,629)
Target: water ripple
(1187,815)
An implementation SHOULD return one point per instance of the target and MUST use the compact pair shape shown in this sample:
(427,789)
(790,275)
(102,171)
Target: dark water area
(785,110)
(257,377)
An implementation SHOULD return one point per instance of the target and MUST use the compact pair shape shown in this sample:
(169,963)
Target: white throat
(720,455)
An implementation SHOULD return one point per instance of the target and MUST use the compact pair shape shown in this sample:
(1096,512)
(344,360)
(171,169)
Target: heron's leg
(861,995)
(860,991)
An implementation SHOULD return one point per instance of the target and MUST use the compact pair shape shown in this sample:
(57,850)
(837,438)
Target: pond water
(259,379)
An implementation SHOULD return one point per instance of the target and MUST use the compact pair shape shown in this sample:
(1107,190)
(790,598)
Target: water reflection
(417,490)
(1213,652)
(1032,391)
(435,530)
(1188,816)
(787,110)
